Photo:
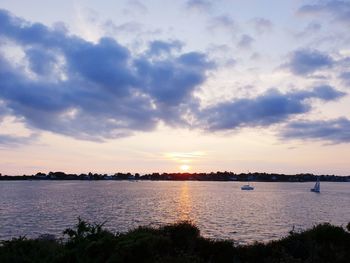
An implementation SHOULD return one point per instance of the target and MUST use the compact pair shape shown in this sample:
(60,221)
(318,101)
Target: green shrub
(180,242)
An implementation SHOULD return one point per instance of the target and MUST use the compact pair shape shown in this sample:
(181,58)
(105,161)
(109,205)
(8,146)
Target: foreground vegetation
(179,242)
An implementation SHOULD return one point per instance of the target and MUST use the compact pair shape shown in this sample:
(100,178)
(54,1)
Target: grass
(180,242)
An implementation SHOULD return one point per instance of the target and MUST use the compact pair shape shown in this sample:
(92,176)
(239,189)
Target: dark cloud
(41,62)
(339,10)
(100,90)
(3,110)
(245,41)
(307,61)
(269,108)
(172,82)
(325,92)
(334,131)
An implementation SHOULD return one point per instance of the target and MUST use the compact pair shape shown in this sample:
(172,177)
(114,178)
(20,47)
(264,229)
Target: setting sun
(185,168)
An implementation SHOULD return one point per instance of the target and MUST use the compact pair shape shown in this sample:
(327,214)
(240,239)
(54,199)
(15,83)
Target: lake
(220,209)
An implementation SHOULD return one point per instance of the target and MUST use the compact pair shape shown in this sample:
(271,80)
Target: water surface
(220,209)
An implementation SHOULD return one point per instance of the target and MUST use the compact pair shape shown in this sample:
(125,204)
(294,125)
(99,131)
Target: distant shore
(217,176)
(179,242)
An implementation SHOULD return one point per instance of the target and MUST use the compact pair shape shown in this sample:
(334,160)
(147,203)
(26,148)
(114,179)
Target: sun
(185,167)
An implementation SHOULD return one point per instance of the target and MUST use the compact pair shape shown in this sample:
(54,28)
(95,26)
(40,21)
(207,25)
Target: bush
(180,242)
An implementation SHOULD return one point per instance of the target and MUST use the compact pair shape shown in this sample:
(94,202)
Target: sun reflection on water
(184,204)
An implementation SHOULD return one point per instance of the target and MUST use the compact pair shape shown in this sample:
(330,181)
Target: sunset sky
(166,86)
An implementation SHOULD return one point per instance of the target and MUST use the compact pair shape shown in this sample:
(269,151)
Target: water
(220,209)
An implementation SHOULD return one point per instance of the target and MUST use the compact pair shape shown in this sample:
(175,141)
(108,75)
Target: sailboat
(317,187)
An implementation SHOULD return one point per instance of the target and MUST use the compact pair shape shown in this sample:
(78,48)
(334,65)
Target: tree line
(213,176)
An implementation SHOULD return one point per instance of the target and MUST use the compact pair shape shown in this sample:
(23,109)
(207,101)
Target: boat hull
(247,188)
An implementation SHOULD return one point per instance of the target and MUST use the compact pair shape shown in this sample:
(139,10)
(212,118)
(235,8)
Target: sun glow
(184,168)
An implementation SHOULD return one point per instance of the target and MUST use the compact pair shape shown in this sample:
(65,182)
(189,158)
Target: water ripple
(221,210)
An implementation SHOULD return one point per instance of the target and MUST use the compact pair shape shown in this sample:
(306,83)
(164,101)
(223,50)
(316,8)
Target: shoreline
(218,176)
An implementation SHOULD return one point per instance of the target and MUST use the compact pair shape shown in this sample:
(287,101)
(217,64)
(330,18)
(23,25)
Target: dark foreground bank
(179,242)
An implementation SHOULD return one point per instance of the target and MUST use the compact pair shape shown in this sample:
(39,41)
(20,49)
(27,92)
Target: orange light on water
(184,203)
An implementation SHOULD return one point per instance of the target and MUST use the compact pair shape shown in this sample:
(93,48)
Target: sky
(175,86)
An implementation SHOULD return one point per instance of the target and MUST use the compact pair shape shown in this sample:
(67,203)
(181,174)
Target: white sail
(317,187)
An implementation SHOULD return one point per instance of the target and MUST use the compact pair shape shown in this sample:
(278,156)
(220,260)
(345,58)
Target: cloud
(10,140)
(184,156)
(135,6)
(3,110)
(325,92)
(345,76)
(245,41)
(262,25)
(95,90)
(172,82)
(223,22)
(41,62)
(334,131)
(338,10)
(309,30)
(199,5)
(266,109)
(125,28)
(307,61)
(158,47)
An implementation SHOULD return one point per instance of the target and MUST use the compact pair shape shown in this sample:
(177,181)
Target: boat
(317,187)
(247,187)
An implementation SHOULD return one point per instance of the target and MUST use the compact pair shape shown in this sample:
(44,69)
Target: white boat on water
(317,187)
(247,187)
